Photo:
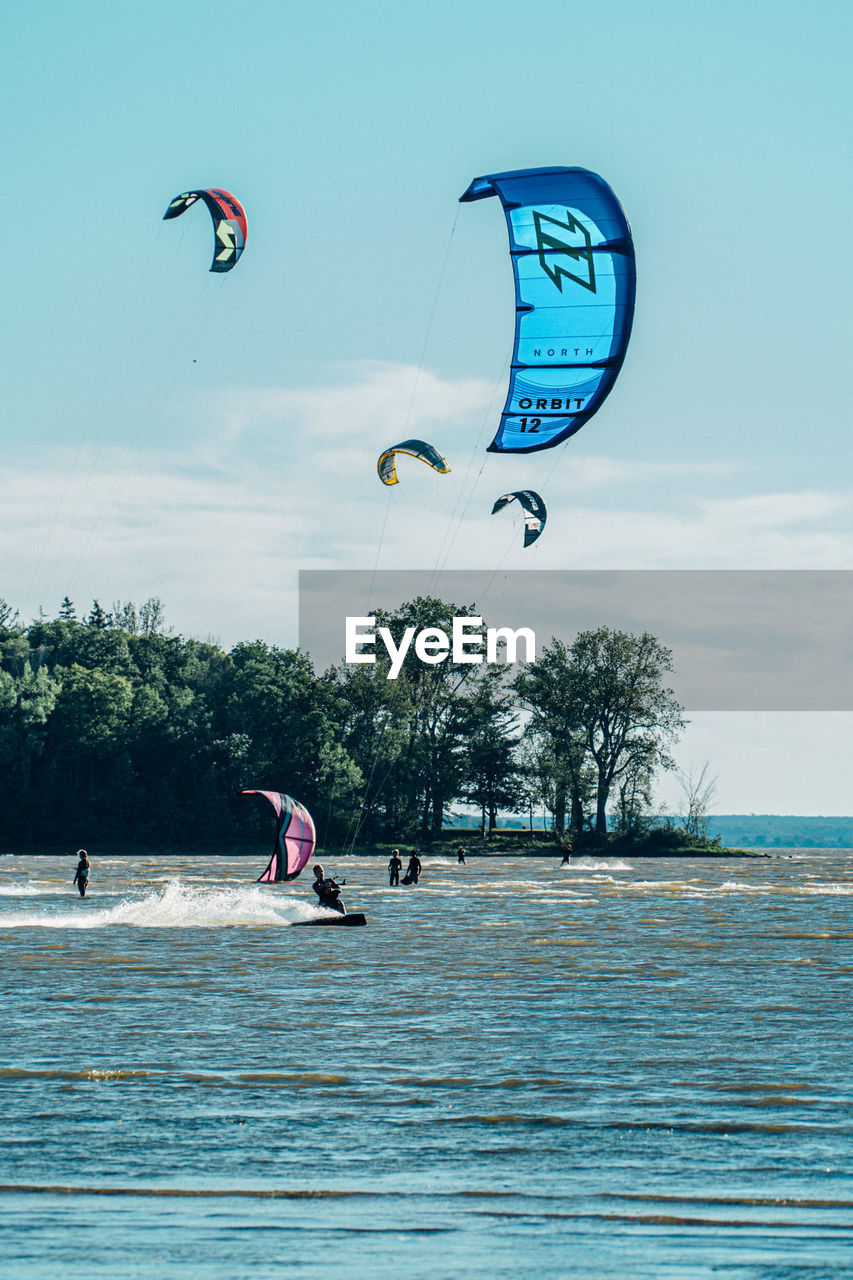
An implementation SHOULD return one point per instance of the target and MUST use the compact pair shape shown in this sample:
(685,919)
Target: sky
(201,438)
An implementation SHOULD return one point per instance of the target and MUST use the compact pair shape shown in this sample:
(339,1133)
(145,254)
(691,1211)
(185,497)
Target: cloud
(377,401)
(286,479)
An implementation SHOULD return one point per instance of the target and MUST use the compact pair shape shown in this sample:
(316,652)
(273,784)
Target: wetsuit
(329,895)
(413,870)
(395,866)
(81,877)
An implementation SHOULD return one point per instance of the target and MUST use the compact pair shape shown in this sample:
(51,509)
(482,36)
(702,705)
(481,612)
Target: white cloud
(379,402)
(286,479)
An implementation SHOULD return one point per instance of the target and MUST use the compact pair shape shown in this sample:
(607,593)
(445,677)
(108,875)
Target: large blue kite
(573,259)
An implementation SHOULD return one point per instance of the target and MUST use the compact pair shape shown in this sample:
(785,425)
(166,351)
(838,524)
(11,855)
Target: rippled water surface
(515,1070)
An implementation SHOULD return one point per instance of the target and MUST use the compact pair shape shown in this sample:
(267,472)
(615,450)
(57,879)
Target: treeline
(116,733)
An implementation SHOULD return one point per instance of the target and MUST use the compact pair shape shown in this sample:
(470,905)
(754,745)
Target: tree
(98,617)
(699,790)
(634,788)
(429,710)
(8,615)
(291,719)
(125,616)
(493,777)
(603,700)
(152,617)
(67,612)
(557,734)
(374,721)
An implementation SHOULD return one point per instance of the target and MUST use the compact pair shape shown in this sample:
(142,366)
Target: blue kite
(575,280)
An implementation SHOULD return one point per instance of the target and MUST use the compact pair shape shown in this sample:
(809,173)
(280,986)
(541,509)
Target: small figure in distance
(413,870)
(460,855)
(328,890)
(395,866)
(81,875)
(566,850)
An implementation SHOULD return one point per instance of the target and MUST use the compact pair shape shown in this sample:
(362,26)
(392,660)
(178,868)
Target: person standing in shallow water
(413,870)
(460,855)
(395,866)
(81,875)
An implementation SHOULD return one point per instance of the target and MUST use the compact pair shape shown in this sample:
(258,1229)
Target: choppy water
(516,1070)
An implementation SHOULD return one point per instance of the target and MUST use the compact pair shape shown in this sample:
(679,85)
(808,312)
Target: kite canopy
(229,223)
(535,513)
(295,837)
(575,279)
(415,449)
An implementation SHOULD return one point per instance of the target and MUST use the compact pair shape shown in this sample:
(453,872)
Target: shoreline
(470,854)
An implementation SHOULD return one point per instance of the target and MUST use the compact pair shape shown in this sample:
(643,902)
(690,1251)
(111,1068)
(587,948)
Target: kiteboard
(356,918)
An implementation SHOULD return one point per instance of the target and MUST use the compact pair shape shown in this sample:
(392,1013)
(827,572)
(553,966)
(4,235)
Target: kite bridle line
(456,517)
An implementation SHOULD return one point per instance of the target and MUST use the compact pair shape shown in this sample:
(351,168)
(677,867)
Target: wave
(590,864)
(37,890)
(175,906)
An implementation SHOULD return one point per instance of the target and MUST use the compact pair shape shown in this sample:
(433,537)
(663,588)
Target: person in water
(413,870)
(328,890)
(460,855)
(566,850)
(395,866)
(81,875)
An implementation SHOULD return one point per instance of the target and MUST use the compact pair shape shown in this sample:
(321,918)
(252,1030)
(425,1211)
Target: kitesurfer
(81,875)
(328,890)
(460,855)
(413,870)
(395,866)
(566,850)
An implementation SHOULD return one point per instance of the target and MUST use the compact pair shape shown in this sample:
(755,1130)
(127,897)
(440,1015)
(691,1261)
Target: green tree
(493,776)
(87,740)
(429,715)
(557,734)
(98,617)
(603,701)
(8,615)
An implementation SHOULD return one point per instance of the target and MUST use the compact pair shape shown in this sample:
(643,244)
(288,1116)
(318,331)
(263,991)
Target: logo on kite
(564,224)
(414,449)
(295,837)
(547,242)
(229,223)
(535,513)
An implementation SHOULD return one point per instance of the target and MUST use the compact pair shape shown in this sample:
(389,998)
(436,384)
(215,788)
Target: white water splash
(176,906)
(33,890)
(590,864)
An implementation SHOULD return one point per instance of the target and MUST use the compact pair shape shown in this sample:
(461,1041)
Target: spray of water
(175,906)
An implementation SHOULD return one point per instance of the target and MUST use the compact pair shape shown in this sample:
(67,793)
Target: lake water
(516,1069)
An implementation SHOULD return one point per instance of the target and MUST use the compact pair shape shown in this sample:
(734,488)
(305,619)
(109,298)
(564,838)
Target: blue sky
(201,438)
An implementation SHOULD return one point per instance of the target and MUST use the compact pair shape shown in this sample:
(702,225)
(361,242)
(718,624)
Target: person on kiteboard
(566,850)
(413,870)
(81,875)
(460,855)
(328,890)
(395,866)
